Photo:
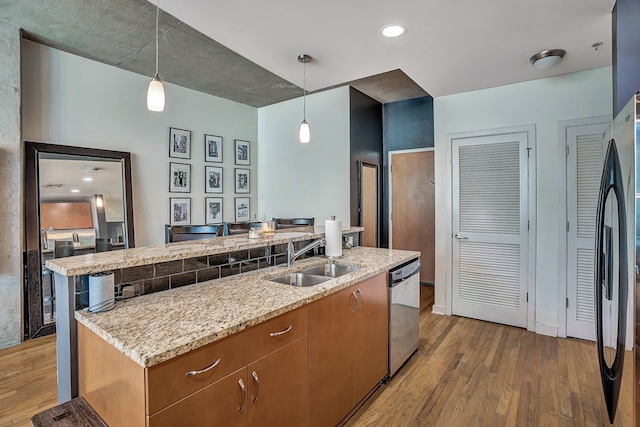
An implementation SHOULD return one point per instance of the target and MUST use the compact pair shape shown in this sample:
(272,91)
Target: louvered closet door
(490,228)
(584,169)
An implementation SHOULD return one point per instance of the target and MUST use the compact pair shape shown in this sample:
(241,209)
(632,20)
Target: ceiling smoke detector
(547,58)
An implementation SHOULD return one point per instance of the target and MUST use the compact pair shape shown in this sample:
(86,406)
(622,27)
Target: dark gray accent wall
(366,141)
(626,52)
(406,125)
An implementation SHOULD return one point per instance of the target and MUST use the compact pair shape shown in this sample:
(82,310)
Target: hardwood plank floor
(466,373)
(472,373)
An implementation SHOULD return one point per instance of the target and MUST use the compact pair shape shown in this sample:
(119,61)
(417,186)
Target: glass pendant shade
(305,134)
(155,94)
(99,202)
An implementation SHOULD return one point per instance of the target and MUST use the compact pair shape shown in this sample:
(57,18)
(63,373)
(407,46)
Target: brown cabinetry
(255,377)
(63,216)
(348,339)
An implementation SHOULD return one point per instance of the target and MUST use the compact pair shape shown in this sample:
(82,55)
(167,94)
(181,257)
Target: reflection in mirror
(77,201)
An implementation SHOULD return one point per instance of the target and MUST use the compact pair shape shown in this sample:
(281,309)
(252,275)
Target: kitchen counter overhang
(154,328)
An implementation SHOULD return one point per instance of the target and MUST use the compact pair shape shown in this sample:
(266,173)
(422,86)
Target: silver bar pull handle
(244,395)
(460,237)
(362,295)
(202,371)
(257,381)
(282,332)
(355,297)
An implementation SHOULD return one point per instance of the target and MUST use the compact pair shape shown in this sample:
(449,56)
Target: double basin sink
(315,275)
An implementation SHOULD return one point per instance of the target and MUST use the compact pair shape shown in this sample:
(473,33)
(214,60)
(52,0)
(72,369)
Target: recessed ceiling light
(87,179)
(75,190)
(393,30)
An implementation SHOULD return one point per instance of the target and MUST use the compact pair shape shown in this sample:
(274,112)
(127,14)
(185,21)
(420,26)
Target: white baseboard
(549,330)
(437,309)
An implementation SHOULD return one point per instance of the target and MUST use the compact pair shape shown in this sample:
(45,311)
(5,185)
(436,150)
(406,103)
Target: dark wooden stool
(75,412)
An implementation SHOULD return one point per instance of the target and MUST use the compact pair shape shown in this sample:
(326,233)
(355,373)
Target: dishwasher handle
(403,273)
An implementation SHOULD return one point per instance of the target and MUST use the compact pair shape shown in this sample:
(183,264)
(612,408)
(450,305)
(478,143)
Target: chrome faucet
(292,255)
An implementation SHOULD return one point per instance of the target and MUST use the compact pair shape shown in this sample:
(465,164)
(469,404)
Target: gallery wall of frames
(224,181)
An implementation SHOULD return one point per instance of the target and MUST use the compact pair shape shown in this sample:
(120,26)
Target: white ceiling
(69,173)
(450,47)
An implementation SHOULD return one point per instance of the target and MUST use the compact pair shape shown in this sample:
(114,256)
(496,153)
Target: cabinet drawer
(269,336)
(168,382)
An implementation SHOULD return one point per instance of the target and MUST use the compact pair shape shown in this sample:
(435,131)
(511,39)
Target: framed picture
(179,178)
(180,210)
(213,148)
(213,210)
(179,143)
(242,209)
(242,180)
(213,179)
(243,156)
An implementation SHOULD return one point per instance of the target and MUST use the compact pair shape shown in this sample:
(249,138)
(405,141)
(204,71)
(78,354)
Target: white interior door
(490,228)
(585,157)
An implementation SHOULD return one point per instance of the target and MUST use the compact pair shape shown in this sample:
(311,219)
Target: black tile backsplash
(183,279)
(167,268)
(173,274)
(136,273)
(191,264)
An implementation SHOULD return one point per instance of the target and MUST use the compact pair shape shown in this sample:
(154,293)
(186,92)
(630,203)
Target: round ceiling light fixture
(393,30)
(547,58)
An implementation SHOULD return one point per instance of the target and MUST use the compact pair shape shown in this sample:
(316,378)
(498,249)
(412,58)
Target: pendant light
(155,94)
(305,134)
(98,196)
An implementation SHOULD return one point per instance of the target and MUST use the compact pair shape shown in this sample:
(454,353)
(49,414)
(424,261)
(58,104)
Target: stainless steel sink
(300,279)
(330,270)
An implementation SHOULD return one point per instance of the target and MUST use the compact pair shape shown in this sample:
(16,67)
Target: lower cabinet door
(223,403)
(332,357)
(279,387)
(372,340)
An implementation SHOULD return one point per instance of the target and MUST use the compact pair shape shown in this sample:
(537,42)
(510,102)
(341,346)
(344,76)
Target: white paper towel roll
(333,236)
(101,292)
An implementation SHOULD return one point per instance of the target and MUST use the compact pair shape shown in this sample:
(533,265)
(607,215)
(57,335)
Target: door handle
(360,304)
(244,395)
(355,297)
(257,381)
(460,237)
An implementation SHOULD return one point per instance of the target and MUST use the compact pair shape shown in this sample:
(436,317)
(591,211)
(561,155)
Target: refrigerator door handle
(611,181)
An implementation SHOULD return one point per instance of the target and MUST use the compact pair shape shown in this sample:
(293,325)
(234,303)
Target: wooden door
(585,160)
(223,403)
(53,215)
(369,205)
(372,334)
(279,387)
(413,207)
(490,227)
(332,353)
(79,215)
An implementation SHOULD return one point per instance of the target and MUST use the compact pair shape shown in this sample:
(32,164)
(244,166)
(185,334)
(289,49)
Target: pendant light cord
(157,18)
(304,89)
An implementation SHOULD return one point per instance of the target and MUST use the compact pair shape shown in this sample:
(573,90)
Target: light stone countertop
(105,261)
(153,328)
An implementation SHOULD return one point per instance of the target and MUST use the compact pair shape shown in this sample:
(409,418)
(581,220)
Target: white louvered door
(585,157)
(490,228)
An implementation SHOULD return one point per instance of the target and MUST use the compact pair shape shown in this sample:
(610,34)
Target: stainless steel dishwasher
(404,313)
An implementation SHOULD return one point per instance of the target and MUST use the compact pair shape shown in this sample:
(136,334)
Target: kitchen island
(241,328)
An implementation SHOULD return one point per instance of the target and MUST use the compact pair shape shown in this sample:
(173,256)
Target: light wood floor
(466,373)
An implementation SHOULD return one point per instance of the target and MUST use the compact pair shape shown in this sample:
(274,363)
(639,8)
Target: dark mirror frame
(33,317)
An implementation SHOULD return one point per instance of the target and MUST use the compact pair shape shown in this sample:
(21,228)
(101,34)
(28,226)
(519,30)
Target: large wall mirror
(77,201)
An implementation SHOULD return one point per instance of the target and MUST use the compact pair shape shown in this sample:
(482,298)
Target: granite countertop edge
(134,257)
(132,326)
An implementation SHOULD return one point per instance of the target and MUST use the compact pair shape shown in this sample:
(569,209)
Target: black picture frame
(212,148)
(213,182)
(180,210)
(213,210)
(179,177)
(242,152)
(242,181)
(242,209)
(179,143)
